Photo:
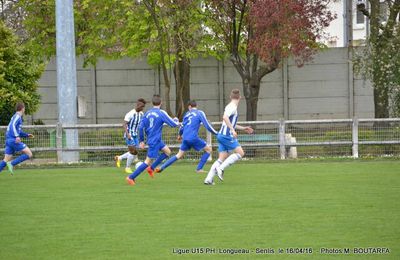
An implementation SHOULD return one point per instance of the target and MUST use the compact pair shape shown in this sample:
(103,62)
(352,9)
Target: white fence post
(282,148)
(355,137)
(59,141)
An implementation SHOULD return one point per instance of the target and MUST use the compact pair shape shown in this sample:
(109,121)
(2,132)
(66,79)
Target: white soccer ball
(137,165)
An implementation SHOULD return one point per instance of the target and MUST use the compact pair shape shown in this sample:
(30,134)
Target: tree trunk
(167,90)
(182,80)
(251,90)
(381,102)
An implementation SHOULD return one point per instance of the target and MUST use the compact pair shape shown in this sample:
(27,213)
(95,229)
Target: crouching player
(152,125)
(189,134)
(227,140)
(13,141)
(131,125)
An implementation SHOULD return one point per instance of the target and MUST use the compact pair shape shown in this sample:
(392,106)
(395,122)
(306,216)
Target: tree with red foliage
(259,34)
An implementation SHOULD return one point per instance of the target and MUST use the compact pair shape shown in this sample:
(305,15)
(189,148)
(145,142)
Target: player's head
(235,94)
(156,100)
(20,107)
(192,104)
(140,104)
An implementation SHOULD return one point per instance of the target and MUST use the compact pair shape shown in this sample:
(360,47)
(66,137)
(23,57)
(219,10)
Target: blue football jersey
(152,125)
(192,122)
(14,128)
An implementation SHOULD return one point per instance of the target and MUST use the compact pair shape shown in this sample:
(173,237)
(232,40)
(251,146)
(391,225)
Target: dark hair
(235,94)
(142,100)
(140,104)
(192,103)
(19,106)
(156,100)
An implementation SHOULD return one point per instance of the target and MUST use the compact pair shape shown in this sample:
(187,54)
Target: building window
(360,17)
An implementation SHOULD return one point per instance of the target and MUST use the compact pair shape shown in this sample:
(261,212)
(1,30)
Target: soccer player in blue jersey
(13,141)
(227,140)
(131,126)
(152,125)
(189,134)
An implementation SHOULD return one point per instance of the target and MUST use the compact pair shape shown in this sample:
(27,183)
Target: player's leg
(234,157)
(119,158)
(164,155)
(211,174)
(3,163)
(26,154)
(171,160)
(130,158)
(131,178)
(199,145)
(8,154)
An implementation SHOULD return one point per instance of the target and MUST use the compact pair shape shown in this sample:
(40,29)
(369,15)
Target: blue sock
(169,162)
(138,171)
(203,160)
(20,159)
(160,158)
(2,165)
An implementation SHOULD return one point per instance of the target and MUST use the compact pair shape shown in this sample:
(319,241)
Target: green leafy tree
(19,73)
(259,34)
(168,33)
(379,61)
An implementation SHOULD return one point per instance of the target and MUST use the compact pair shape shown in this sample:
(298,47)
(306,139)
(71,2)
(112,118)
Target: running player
(189,134)
(152,125)
(227,140)
(131,125)
(13,141)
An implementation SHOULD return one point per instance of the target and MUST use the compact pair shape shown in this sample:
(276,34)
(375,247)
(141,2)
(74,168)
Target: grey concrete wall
(324,88)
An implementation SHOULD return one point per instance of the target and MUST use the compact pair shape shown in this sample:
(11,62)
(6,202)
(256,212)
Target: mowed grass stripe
(91,213)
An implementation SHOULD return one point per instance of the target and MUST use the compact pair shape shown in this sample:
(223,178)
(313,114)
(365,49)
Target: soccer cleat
(201,171)
(117,161)
(220,173)
(150,171)
(130,181)
(209,183)
(158,170)
(128,170)
(10,168)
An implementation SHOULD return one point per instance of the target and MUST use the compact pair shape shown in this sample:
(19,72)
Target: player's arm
(225,118)
(127,118)
(16,125)
(168,120)
(142,127)
(126,130)
(182,127)
(247,129)
(207,124)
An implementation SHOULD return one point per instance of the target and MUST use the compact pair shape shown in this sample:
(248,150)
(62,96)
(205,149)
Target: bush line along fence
(280,139)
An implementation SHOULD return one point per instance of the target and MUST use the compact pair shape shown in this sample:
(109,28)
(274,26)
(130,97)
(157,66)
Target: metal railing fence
(279,139)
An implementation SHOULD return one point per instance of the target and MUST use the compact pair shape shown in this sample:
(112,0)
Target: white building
(337,29)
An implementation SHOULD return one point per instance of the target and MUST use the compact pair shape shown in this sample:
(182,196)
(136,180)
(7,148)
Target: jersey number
(151,122)
(190,120)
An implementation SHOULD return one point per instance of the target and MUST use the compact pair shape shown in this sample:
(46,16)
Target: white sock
(230,160)
(129,161)
(124,156)
(212,172)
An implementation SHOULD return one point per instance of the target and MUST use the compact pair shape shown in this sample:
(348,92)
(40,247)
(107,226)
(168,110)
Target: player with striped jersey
(131,127)
(13,141)
(151,127)
(227,140)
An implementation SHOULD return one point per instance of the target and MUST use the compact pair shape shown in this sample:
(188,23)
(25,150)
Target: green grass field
(90,213)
